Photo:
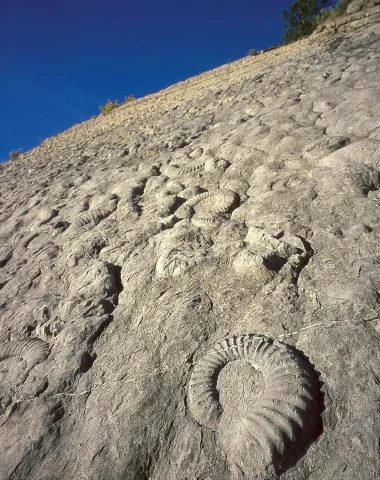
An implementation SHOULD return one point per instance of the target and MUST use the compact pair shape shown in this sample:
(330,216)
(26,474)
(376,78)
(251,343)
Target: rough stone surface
(240,204)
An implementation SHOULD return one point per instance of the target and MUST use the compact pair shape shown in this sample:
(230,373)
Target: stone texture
(242,203)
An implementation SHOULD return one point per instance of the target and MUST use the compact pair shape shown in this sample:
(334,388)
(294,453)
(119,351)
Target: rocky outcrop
(189,285)
(358,14)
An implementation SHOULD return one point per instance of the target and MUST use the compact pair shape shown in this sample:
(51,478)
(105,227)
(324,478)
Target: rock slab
(189,285)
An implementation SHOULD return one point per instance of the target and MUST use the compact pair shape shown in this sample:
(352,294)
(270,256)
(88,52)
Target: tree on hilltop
(301,18)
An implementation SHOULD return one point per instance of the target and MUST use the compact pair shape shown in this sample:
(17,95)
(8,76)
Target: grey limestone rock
(246,199)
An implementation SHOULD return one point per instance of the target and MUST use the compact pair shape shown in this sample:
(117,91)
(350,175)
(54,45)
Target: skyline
(61,62)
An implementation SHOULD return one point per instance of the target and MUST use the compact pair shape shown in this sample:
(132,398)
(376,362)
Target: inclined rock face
(190,283)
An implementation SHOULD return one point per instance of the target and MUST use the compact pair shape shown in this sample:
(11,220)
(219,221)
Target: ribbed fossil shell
(223,199)
(198,198)
(324,146)
(171,264)
(91,218)
(209,222)
(216,202)
(32,350)
(186,210)
(248,263)
(178,171)
(286,412)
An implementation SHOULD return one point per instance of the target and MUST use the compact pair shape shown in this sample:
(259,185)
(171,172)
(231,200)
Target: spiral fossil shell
(171,264)
(203,222)
(178,171)
(32,350)
(248,263)
(91,218)
(214,203)
(285,415)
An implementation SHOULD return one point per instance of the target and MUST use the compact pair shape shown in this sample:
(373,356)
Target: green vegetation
(305,15)
(331,13)
(341,7)
(302,18)
(15,154)
(130,98)
(111,104)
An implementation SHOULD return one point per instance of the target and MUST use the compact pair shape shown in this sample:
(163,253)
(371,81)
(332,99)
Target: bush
(332,13)
(253,52)
(327,14)
(110,105)
(130,98)
(302,18)
(15,153)
(341,7)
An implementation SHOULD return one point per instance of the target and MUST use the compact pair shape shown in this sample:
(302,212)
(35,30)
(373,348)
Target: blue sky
(60,60)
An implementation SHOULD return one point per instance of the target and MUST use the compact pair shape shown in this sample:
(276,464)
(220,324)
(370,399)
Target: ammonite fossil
(284,418)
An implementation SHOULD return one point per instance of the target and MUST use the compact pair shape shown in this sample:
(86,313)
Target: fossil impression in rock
(214,164)
(211,204)
(171,264)
(32,350)
(22,246)
(324,146)
(175,262)
(248,263)
(284,419)
(101,208)
(91,218)
(180,170)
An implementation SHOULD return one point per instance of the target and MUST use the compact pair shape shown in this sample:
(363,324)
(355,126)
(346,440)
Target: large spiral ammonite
(286,415)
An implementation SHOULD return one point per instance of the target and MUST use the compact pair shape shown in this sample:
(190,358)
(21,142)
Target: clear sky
(61,59)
